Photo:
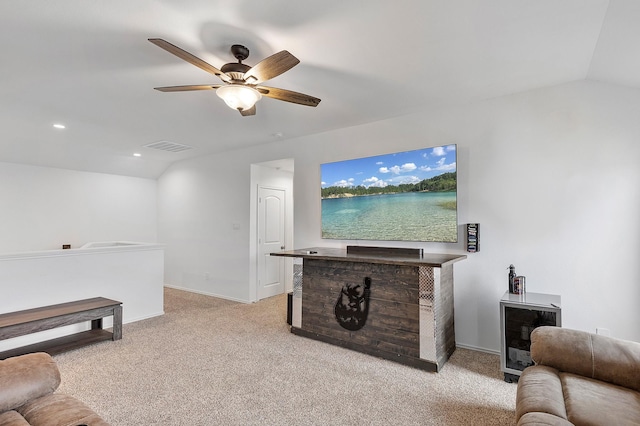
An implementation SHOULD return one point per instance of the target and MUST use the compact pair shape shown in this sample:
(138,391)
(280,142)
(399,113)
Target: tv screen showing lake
(407,196)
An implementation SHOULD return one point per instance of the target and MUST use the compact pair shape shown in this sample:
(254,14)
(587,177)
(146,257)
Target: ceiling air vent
(168,146)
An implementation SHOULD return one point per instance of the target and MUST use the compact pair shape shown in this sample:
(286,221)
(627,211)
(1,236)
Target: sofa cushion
(26,377)
(543,419)
(59,410)
(12,418)
(540,390)
(593,402)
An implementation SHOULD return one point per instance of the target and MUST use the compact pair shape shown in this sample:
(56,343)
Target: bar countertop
(340,254)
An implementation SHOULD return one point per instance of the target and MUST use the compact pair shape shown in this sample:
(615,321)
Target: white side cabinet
(519,315)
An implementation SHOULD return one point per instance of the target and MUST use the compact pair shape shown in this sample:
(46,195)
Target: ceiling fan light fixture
(238,96)
(240,90)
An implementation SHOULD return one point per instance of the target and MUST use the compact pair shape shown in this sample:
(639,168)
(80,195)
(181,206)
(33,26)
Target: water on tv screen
(405,196)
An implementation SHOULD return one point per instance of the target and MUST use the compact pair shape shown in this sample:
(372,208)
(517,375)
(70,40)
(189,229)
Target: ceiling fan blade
(288,96)
(248,112)
(187,88)
(271,67)
(184,55)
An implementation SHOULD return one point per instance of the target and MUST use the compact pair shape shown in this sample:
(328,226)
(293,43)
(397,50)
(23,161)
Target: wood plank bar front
(410,308)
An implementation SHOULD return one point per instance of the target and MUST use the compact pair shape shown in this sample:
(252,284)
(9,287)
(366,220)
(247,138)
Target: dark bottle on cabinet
(512,275)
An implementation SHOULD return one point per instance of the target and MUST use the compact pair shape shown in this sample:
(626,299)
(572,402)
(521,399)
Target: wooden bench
(21,323)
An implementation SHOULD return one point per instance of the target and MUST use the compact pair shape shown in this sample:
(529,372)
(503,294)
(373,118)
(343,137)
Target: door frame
(260,232)
(268,175)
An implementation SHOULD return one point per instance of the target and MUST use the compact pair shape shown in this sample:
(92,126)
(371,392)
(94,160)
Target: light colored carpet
(209,361)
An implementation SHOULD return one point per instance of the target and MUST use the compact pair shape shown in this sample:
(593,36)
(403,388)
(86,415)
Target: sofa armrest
(27,377)
(590,355)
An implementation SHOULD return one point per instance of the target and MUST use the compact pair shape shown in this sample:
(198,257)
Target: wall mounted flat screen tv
(405,196)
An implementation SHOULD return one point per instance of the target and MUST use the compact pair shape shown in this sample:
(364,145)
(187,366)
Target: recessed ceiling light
(137,154)
(59,126)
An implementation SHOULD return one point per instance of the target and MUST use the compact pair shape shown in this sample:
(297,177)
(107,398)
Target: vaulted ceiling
(88,65)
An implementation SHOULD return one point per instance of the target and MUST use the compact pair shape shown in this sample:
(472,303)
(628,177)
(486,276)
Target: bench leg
(96,324)
(117,323)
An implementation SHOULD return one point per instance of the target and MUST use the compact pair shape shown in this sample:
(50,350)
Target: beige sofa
(27,385)
(579,379)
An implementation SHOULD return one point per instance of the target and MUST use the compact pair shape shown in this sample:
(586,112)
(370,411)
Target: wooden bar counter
(394,303)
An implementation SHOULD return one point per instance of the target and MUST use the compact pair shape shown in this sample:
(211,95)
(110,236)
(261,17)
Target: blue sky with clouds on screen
(390,169)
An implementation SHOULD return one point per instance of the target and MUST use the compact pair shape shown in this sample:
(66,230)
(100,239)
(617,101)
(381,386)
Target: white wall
(551,175)
(43,208)
(131,274)
(199,205)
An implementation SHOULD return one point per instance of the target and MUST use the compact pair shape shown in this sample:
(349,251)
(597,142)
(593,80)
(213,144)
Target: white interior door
(271,226)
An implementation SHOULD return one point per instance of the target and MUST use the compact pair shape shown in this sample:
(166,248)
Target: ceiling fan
(240,88)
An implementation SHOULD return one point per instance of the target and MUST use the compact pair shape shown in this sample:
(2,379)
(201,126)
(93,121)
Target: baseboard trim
(157,314)
(477,349)
(219,296)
